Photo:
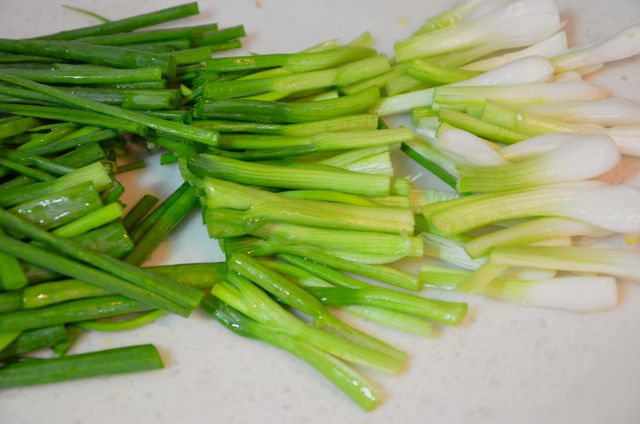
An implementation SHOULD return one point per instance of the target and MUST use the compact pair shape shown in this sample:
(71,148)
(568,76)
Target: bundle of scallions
(290,161)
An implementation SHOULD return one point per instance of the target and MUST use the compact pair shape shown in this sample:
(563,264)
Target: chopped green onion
(106,362)
(128,24)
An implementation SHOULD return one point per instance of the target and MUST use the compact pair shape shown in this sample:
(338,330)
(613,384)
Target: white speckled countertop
(506,364)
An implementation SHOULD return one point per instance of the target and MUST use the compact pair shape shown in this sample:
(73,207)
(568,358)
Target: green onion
(436,161)
(73,334)
(581,159)
(382,273)
(170,219)
(139,210)
(13,59)
(345,123)
(32,340)
(500,29)
(171,128)
(92,220)
(10,301)
(245,294)
(64,266)
(142,227)
(327,178)
(17,126)
(111,239)
(162,47)
(393,319)
(198,275)
(206,38)
(35,174)
(577,294)
(436,74)
(263,207)
(143,281)
(617,262)
(85,136)
(30,159)
(45,294)
(523,122)
(123,38)
(94,173)
(145,85)
(479,127)
(131,166)
(130,324)
(321,142)
(128,24)
(518,93)
(453,16)
(106,362)
(450,313)
(80,75)
(610,208)
(296,297)
(345,378)
(280,112)
(531,232)
(11,275)
(150,99)
(94,54)
(329,196)
(77,310)
(296,62)
(61,207)
(73,115)
(298,82)
(86,12)
(379,81)
(606,112)
(620,46)
(365,242)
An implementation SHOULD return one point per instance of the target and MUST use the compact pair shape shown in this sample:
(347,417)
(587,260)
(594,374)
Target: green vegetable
(77,310)
(92,220)
(344,377)
(133,282)
(217,36)
(11,274)
(168,221)
(32,340)
(128,24)
(287,113)
(444,312)
(94,173)
(295,62)
(138,37)
(106,362)
(324,178)
(61,207)
(91,75)
(94,54)
(172,128)
(121,325)
(139,210)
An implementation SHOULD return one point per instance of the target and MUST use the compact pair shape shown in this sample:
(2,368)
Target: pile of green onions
(522,139)
(69,257)
(289,159)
